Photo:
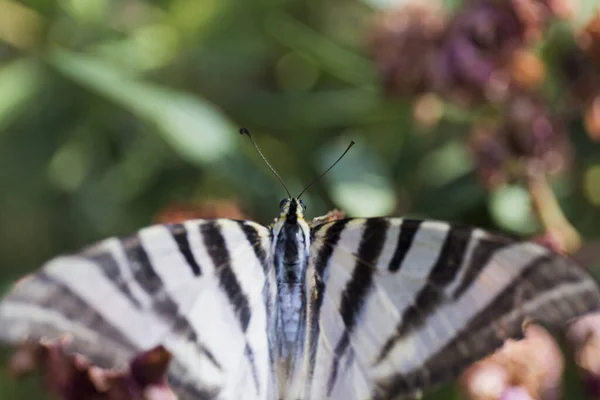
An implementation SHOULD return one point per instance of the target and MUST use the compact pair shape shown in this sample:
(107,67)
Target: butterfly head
(292,210)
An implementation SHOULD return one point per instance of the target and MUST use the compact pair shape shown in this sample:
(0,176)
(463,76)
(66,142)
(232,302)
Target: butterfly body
(290,251)
(374,308)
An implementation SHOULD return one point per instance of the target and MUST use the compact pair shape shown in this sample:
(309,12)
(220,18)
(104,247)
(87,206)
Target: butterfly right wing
(201,288)
(398,306)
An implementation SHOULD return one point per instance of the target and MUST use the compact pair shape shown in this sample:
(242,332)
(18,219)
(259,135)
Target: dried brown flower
(529,139)
(589,39)
(491,155)
(73,377)
(479,45)
(582,73)
(582,80)
(486,51)
(404,43)
(581,77)
(535,134)
(481,53)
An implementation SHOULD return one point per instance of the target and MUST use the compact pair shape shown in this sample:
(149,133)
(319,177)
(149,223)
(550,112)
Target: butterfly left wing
(396,306)
(201,288)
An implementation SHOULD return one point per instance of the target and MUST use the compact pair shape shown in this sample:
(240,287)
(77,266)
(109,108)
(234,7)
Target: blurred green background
(113,110)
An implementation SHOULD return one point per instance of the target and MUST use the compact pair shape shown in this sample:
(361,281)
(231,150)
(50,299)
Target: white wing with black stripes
(201,288)
(375,308)
(396,306)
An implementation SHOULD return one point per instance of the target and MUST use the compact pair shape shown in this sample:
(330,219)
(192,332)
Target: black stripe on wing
(110,268)
(141,267)
(255,241)
(357,288)
(218,252)
(112,350)
(164,306)
(329,242)
(180,234)
(55,297)
(408,231)
(481,255)
(432,294)
(550,290)
(253,237)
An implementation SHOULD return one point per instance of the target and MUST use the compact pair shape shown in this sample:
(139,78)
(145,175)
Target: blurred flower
(404,43)
(589,39)
(581,71)
(476,50)
(480,54)
(526,69)
(524,369)
(491,155)
(183,211)
(427,110)
(535,15)
(529,139)
(584,334)
(486,53)
(516,393)
(591,118)
(73,377)
(533,133)
(581,77)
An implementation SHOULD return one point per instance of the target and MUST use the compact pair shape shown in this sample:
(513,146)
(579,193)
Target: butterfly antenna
(328,169)
(245,131)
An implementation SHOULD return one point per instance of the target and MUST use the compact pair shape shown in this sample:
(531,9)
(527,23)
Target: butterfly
(355,308)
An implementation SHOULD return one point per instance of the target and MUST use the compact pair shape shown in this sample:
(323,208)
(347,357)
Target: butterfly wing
(397,306)
(200,288)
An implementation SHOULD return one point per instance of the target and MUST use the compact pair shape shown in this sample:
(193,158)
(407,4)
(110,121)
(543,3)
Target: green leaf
(19,82)
(196,129)
(338,61)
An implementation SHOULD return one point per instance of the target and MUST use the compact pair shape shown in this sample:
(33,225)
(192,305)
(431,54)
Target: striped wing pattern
(393,306)
(399,305)
(200,288)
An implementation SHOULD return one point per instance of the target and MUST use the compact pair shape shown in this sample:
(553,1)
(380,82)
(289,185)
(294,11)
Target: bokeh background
(115,114)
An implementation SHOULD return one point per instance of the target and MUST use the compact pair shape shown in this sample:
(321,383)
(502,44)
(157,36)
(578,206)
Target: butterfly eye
(282,203)
(303,204)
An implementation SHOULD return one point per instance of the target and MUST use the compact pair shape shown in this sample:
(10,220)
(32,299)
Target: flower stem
(551,215)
